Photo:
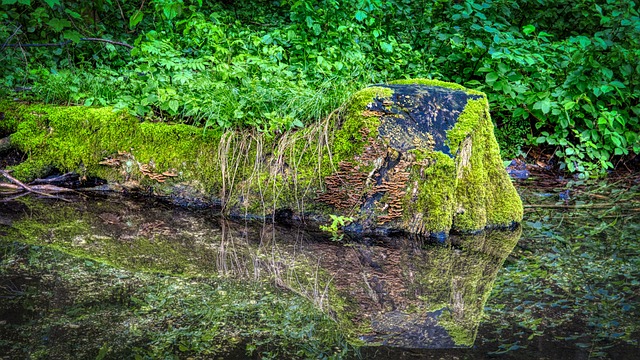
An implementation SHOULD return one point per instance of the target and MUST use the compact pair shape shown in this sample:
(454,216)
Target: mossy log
(413,156)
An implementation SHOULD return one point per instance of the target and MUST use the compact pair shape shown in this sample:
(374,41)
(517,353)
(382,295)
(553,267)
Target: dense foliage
(564,73)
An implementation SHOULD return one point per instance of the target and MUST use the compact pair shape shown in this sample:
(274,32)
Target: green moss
(251,173)
(11,119)
(484,193)
(348,140)
(429,202)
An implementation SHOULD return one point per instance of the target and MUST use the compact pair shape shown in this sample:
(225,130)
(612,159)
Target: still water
(565,285)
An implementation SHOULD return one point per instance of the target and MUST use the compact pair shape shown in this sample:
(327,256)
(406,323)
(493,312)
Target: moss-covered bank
(355,163)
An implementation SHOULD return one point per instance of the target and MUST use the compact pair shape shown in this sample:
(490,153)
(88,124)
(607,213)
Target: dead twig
(577,206)
(31,189)
(67,42)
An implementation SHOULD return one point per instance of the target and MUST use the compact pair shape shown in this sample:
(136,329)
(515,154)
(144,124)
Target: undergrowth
(557,73)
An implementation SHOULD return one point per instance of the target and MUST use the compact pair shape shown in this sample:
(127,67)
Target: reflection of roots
(237,258)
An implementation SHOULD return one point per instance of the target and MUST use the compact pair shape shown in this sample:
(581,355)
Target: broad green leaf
(544,105)
(528,29)
(492,77)
(584,41)
(173,105)
(52,3)
(73,14)
(360,15)
(135,19)
(608,73)
(59,24)
(8,2)
(617,84)
(72,35)
(171,11)
(386,47)
(600,42)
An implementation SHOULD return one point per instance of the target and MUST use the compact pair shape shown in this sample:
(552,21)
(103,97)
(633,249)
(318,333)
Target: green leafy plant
(336,225)
(560,75)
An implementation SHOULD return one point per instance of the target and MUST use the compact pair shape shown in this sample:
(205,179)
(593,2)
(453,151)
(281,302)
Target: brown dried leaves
(126,160)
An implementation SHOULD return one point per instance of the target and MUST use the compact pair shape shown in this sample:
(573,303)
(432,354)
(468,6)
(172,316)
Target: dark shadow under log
(5,144)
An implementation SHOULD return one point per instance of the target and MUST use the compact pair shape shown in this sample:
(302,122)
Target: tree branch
(28,188)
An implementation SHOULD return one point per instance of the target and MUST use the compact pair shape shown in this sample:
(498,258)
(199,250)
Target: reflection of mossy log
(416,156)
(403,294)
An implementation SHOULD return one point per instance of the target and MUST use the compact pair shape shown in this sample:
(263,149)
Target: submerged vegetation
(59,306)
(563,74)
(111,283)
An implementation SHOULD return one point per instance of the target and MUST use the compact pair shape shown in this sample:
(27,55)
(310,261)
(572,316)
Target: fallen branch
(29,188)
(65,43)
(577,206)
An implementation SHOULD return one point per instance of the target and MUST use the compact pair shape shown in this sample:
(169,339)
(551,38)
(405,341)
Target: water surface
(570,286)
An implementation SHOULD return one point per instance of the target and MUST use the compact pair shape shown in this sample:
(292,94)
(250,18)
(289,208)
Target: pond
(126,277)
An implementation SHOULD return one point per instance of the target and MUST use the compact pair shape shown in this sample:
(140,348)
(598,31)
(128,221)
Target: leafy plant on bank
(335,228)
(557,73)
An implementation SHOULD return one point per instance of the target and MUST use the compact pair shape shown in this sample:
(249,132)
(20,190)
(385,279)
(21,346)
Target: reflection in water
(409,294)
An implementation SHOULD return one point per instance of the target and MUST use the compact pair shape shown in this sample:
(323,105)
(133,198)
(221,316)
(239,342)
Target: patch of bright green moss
(430,207)
(484,193)
(348,139)
(255,175)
